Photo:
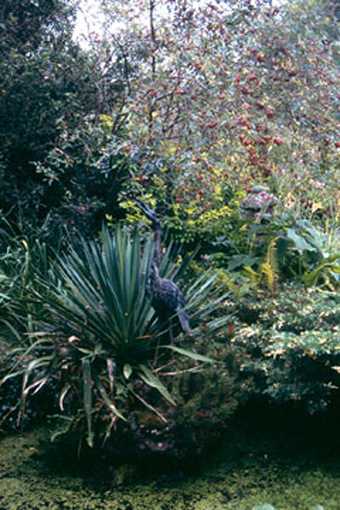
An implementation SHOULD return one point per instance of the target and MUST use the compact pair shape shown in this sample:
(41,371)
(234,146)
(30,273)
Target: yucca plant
(100,342)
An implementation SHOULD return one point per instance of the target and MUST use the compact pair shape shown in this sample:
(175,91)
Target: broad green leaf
(300,243)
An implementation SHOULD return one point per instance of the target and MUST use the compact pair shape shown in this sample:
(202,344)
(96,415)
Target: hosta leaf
(300,243)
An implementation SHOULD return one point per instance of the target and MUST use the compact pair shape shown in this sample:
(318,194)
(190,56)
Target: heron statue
(166,298)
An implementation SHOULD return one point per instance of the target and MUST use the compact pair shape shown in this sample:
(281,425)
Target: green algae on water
(27,482)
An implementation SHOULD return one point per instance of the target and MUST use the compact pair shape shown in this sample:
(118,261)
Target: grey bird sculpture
(166,298)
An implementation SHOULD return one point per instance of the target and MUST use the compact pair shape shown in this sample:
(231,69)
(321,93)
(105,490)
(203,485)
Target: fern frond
(270,267)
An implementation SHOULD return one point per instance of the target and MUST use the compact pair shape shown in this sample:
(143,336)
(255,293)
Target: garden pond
(246,472)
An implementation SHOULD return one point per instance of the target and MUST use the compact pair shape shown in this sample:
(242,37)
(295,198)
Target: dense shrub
(59,160)
(291,345)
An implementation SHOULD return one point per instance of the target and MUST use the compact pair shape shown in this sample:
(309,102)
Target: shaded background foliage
(188,104)
(50,104)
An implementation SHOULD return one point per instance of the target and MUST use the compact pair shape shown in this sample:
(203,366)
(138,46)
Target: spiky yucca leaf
(99,293)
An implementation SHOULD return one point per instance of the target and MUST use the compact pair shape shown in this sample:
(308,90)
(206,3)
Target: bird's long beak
(149,213)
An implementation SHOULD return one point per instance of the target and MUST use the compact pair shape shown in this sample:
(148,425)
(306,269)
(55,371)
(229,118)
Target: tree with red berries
(224,97)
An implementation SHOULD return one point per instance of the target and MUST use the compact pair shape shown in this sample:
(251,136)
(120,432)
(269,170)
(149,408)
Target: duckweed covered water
(31,479)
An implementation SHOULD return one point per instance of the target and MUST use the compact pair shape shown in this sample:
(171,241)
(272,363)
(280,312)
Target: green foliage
(263,507)
(59,161)
(24,23)
(309,252)
(208,399)
(281,250)
(268,113)
(98,339)
(291,345)
(266,274)
(82,129)
(23,262)
(83,173)
(319,253)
